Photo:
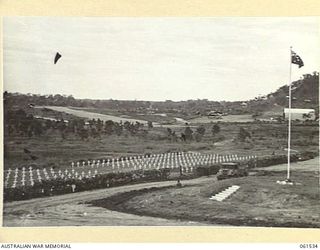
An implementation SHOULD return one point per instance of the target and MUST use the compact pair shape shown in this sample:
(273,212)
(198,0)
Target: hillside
(305,94)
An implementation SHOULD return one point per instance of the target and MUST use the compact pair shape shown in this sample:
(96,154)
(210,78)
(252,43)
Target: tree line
(18,122)
(189,134)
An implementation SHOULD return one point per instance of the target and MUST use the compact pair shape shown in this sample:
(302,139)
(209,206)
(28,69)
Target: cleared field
(91,115)
(258,202)
(105,115)
(159,118)
(228,118)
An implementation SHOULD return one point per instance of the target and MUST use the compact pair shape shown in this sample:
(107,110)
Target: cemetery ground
(51,150)
(258,202)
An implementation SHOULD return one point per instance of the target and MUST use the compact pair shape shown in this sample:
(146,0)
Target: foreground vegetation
(51,150)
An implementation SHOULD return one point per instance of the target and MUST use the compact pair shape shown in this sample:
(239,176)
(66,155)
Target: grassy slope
(258,202)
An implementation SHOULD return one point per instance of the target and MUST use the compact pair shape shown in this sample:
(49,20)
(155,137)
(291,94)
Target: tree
(174,137)
(118,128)
(48,124)
(183,137)
(99,125)
(243,134)
(83,133)
(197,136)
(150,125)
(108,127)
(215,129)
(95,133)
(126,125)
(61,125)
(37,128)
(201,130)
(188,133)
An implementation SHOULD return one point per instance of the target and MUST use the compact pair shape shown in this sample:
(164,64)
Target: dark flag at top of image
(295,59)
(57,57)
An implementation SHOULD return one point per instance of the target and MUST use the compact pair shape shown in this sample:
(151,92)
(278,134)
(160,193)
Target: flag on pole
(295,59)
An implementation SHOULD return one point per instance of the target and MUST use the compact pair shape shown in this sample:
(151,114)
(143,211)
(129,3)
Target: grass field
(157,118)
(258,202)
(228,118)
(167,118)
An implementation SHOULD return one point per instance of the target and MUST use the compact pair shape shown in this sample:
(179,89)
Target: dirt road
(71,210)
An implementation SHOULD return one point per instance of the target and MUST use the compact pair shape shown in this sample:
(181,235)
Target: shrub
(243,134)
(270,160)
(205,171)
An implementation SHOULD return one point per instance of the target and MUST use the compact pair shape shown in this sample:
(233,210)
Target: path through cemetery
(71,210)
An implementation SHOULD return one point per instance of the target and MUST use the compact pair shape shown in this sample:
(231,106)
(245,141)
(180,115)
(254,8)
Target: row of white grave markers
(24,178)
(170,160)
(187,161)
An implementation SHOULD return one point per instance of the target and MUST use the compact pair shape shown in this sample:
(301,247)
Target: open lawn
(258,202)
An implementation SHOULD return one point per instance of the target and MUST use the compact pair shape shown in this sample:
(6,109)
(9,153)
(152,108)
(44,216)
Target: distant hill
(305,94)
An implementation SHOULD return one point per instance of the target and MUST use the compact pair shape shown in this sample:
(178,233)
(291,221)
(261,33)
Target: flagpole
(289,118)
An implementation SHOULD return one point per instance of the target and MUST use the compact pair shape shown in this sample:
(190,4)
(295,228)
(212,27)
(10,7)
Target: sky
(156,59)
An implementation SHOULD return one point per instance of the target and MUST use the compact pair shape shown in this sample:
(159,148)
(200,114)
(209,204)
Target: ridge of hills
(305,94)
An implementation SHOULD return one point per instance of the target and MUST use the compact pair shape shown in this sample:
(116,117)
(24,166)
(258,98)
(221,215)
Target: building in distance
(300,114)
